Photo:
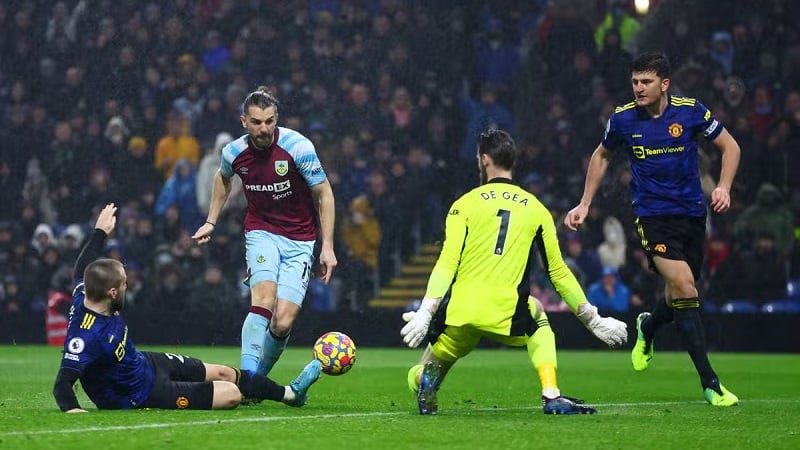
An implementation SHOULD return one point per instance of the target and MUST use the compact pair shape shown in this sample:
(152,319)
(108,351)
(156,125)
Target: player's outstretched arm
(731,153)
(323,195)
(62,391)
(598,165)
(106,221)
(609,330)
(220,191)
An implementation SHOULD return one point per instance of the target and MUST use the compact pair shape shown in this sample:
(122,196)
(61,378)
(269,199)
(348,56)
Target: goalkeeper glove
(608,329)
(418,322)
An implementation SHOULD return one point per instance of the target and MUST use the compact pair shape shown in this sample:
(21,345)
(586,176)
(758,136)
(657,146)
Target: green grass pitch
(490,400)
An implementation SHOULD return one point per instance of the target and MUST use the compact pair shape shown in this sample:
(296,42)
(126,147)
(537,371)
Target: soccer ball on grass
(336,351)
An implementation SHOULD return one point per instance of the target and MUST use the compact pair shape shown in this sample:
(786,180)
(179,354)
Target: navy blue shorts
(179,383)
(674,237)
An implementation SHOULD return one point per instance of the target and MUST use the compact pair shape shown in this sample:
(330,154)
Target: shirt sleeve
(612,139)
(63,390)
(705,122)
(79,352)
(559,273)
(90,252)
(455,232)
(308,163)
(226,161)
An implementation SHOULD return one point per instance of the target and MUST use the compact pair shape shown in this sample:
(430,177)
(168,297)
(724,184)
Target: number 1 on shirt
(505,216)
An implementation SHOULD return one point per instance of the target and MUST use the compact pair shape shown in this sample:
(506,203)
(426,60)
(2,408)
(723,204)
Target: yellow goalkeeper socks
(542,352)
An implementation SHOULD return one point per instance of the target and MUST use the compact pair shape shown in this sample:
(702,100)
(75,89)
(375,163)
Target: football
(336,351)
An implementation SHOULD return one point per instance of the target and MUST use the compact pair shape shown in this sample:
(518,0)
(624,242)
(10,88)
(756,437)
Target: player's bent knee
(282,325)
(226,395)
(218,372)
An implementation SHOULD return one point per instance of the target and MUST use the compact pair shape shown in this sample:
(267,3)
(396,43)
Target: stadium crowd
(131,102)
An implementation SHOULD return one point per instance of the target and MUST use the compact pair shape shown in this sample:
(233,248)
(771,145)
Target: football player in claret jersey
(658,132)
(287,191)
(99,352)
(490,233)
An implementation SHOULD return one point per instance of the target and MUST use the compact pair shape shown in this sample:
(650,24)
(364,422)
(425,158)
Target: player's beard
(117,303)
(262,141)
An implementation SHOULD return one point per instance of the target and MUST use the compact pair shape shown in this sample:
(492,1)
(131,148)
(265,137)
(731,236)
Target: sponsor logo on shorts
(675,130)
(182,402)
(660,248)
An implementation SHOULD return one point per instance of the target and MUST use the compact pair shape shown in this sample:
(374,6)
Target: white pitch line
(199,422)
(329,416)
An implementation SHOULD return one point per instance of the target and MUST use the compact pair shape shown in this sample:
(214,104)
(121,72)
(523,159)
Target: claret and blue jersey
(98,348)
(663,154)
(277,183)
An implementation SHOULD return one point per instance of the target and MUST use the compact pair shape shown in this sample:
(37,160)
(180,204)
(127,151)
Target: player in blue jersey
(100,353)
(289,202)
(659,132)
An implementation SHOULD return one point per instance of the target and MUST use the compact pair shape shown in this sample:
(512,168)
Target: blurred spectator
(180,190)
(496,60)
(205,177)
(481,115)
(722,52)
(70,243)
(175,146)
(584,260)
(767,215)
(9,192)
(212,294)
(361,234)
(618,18)
(215,54)
(13,299)
(42,238)
(612,250)
(610,293)
(757,274)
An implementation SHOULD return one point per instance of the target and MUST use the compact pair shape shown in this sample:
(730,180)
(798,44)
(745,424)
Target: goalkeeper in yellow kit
(490,235)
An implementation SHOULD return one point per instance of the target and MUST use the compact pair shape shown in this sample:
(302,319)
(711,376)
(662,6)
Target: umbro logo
(243,170)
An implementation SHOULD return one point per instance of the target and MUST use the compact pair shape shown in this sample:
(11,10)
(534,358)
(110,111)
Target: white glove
(415,330)
(608,329)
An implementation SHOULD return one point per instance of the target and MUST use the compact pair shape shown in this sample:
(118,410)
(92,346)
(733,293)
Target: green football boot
(727,398)
(641,353)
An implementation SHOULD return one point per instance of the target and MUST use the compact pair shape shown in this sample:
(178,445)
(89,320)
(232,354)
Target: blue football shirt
(663,154)
(112,372)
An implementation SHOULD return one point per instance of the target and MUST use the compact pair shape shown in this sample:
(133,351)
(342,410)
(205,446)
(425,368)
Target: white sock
(551,393)
(288,394)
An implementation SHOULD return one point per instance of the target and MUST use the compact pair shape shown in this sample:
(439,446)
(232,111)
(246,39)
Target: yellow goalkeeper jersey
(490,235)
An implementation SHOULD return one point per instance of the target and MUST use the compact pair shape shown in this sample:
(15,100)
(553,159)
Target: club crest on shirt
(282,167)
(261,259)
(675,130)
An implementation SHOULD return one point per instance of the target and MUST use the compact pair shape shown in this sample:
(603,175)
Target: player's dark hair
(500,146)
(262,98)
(652,62)
(100,276)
